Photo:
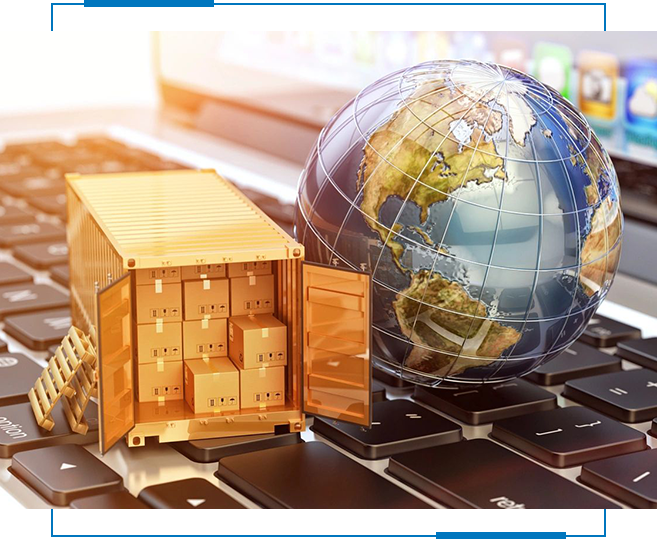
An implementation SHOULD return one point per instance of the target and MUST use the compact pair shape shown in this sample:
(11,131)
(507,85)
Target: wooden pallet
(71,374)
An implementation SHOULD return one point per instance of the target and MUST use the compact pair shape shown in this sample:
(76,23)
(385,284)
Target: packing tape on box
(206,284)
(204,275)
(160,401)
(159,325)
(158,286)
(252,280)
(265,333)
(160,364)
(205,324)
(262,372)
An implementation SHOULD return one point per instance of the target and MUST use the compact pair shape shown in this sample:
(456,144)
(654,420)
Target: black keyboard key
(17,375)
(20,299)
(13,235)
(378,392)
(631,479)
(653,428)
(60,274)
(483,404)
(392,381)
(311,476)
(479,474)
(43,255)
(33,186)
(397,426)
(629,396)
(3,347)
(112,500)
(640,351)
(11,215)
(577,361)
(214,449)
(10,274)
(195,493)
(39,330)
(603,332)
(568,436)
(65,473)
(20,432)
(50,204)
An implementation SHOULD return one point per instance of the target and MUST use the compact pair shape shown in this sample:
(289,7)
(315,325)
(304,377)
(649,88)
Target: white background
(47,72)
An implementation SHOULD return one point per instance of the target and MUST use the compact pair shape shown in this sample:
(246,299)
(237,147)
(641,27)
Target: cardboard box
(159,341)
(205,338)
(160,381)
(246,269)
(164,275)
(204,271)
(262,388)
(159,302)
(257,341)
(252,295)
(206,299)
(212,385)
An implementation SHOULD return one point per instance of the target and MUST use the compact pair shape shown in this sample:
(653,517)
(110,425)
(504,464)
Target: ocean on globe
(485,209)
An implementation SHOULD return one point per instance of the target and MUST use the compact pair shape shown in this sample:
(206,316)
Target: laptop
(575,434)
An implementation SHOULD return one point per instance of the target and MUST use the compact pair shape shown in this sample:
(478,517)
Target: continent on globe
(428,315)
(415,157)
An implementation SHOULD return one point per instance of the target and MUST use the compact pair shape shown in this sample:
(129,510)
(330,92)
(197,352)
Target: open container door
(337,335)
(116,388)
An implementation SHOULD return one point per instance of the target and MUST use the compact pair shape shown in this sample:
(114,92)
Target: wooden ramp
(71,374)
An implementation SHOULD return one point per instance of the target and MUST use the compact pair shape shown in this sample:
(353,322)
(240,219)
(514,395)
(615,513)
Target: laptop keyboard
(516,444)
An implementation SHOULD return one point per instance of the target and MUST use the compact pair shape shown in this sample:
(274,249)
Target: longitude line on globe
(600,201)
(539,247)
(579,244)
(446,229)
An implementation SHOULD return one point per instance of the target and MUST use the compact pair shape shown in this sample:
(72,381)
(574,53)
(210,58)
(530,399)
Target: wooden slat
(63,362)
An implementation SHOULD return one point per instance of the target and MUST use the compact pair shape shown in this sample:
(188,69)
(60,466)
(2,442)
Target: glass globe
(485,209)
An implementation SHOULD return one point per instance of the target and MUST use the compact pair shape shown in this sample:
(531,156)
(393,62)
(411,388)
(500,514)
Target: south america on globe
(485,208)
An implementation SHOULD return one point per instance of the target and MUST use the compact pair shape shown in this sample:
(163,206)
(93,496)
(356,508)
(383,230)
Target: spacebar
(481,474)
(311,476)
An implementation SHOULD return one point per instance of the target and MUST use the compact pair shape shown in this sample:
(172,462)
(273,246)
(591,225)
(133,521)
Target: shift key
(479,474)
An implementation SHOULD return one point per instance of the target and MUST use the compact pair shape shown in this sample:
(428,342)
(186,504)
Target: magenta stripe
(227,522)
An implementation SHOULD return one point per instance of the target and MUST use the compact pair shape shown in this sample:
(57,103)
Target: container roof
(180,218)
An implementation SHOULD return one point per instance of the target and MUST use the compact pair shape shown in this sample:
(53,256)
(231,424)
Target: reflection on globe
(485,209)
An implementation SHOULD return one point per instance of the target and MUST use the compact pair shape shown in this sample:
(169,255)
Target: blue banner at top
(148,3)
(501,535)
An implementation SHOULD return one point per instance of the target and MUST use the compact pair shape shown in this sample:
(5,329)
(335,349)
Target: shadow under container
(179,220)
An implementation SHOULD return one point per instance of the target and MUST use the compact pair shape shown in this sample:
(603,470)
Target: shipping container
(128,231)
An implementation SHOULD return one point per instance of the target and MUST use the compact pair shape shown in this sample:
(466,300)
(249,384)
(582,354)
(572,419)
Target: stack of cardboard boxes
(185,335)
(159,334)
(257,341)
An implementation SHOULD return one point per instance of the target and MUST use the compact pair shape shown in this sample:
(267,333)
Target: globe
(485,209)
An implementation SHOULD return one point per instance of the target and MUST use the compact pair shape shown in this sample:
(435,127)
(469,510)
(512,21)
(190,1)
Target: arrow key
(195,493)
(64,473)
